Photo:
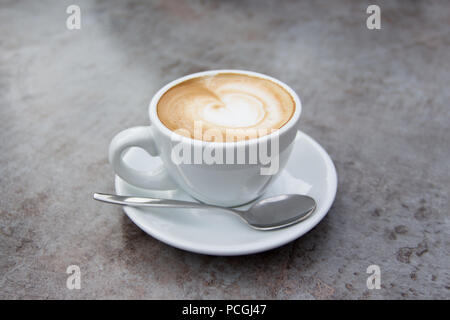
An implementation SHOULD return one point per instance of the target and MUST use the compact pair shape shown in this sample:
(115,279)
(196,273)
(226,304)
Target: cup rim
(155,121)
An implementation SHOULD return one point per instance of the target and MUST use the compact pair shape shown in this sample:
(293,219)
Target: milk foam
(227,103)
(237,110)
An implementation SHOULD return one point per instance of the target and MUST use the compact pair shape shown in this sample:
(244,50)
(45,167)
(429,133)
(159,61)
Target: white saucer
(309,171)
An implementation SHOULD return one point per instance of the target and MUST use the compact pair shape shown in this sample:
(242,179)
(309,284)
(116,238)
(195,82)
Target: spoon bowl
(279,211)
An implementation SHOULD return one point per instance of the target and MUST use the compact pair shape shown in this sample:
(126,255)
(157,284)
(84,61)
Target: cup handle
(141,137)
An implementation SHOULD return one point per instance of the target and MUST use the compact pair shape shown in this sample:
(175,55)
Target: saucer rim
(236,250)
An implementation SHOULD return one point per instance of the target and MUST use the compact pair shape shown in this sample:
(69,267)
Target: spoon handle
(148,202)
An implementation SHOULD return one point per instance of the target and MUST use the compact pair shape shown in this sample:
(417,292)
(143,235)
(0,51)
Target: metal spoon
(266,214)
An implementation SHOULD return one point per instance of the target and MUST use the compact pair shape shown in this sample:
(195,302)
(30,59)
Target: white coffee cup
(220,184)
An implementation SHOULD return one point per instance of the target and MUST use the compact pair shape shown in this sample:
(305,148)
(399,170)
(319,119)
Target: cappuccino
(225,107)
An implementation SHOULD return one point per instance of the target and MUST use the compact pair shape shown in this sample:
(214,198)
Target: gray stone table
(377,100)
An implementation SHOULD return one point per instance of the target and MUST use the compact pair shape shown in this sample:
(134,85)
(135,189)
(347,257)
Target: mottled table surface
(377,100)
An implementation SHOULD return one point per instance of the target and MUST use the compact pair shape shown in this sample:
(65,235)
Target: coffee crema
(225,107)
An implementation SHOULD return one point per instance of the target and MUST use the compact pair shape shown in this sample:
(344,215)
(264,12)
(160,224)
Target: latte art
(228,107)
